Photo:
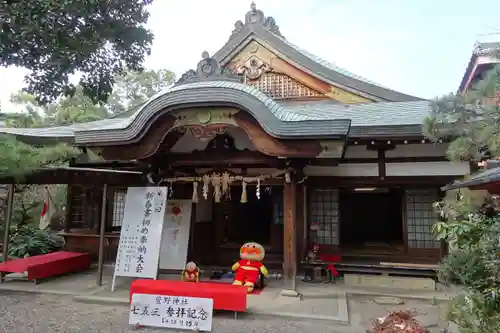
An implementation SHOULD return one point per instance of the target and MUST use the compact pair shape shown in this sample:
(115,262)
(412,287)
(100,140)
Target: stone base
(389,282)
(384,300)
(289,293)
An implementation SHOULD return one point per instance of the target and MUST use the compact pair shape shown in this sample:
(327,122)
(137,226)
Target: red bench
(48,265)
(226,296)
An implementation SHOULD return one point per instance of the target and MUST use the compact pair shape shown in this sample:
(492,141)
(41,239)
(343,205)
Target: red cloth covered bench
(226,296)
(48,265)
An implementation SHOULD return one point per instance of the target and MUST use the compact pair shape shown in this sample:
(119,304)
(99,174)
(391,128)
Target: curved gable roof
(265,110)
(277,120)
(261,30)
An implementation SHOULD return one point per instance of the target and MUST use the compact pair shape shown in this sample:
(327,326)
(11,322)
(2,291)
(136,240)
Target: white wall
(391,169)
(418,150)
(401,150)
(427,169)
(344,170)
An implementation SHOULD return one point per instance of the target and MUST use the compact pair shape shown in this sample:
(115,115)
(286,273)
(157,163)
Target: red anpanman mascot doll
(250,265)
(191,273)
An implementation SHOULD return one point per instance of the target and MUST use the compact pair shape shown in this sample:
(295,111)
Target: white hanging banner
(140,237)
(177,312)
(176,231)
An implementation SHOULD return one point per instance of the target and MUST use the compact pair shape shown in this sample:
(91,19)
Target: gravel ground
(43,313)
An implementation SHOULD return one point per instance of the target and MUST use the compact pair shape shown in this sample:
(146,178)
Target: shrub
(27,241)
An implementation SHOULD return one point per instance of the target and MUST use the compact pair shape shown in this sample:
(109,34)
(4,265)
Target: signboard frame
(173,312)
(140,237)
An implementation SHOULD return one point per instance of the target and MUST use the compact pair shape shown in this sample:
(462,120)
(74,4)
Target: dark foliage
(56,38)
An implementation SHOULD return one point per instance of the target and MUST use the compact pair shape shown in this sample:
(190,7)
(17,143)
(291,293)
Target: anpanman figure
(250,266)
(191,273)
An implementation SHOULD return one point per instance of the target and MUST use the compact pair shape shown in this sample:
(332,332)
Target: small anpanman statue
(250,266)
(191,273)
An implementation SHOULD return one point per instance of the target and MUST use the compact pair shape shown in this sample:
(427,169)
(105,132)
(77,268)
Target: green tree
(470,222)
(18,159)
(473,232)
(130,90)
(54,39)
(66,111)
(134,88)
(471,120)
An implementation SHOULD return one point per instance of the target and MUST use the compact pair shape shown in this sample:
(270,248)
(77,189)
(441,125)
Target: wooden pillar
(102,239)
(69,208)
(290,237)
(299,223)
(305,235)
(8,220)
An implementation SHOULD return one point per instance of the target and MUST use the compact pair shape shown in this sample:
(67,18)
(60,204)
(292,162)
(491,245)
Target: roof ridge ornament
(209,69)
(256,16)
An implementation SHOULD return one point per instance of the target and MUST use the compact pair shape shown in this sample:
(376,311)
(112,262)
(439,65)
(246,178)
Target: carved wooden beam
(210,159)
(273,146)
(160,137)
(147,146)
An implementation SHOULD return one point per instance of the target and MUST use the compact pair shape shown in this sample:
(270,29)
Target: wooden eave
(78,175)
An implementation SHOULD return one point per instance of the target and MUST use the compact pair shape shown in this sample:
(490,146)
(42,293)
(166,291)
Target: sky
(417,47)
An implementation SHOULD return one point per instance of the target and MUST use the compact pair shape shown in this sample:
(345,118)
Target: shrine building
(480,62)
(314,153)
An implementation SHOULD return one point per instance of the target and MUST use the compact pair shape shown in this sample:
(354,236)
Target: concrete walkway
(74,284)
(328,305)
(328,302)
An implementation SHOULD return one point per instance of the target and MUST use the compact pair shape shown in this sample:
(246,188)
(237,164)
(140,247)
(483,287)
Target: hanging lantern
(243,192)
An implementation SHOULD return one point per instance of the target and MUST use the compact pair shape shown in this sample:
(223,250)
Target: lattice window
(85,203)
(420,216)
(277,194)
(281,86)
(324,209)
(118,208)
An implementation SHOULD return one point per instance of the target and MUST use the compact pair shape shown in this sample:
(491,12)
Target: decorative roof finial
(256,16)
(208,69)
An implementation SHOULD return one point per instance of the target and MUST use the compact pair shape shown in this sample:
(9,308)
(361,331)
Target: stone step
(389,282)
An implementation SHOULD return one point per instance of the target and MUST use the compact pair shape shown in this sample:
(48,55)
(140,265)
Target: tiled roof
(364,114)
(480,49)
(260,30)
(485,177)
(384,119)
(281,118)
(274,118)
(394,115)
